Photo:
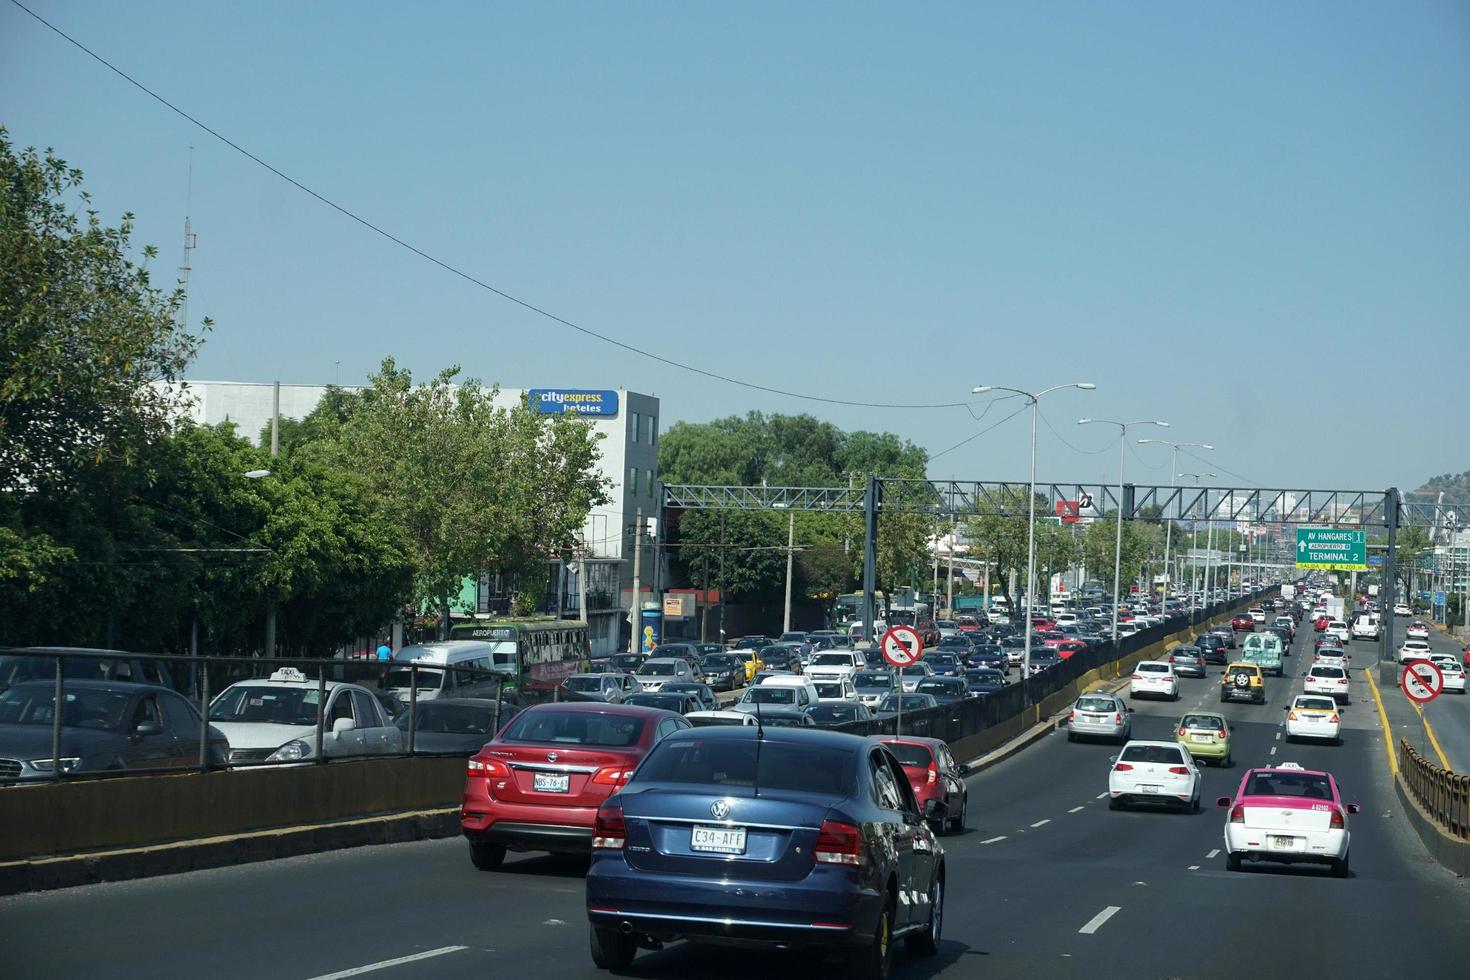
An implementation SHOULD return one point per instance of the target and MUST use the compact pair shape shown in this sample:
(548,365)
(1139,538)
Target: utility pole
(790,553)
(722,577)
(635,617)
(270,609)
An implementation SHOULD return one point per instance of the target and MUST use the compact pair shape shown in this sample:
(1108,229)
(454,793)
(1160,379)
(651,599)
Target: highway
(1449,714)
(1047,882)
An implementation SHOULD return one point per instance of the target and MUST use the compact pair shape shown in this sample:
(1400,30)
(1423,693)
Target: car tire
(1340,868)
(1224,698)
(1071,736)
(611,949)
(1232,862)
(926,943)
(874,959)
(957,825)
(486,857)
(1114,803)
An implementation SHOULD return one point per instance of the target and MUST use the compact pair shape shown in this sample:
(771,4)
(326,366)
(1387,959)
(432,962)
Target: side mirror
(342,725)
(965,770)
(1354,808)
(1223,801)
(146,728)
(1130,711)
(934,809)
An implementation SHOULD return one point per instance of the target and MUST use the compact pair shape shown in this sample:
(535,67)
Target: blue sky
(1252,220)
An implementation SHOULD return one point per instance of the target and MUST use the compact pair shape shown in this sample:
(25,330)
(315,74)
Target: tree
(470,485)
(83,332)
(825,571)
(1099,546)
(1000,536)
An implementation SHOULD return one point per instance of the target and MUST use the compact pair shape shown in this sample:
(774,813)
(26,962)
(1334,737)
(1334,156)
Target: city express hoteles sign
(572,401)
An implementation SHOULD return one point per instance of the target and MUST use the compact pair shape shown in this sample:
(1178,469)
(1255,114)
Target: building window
(651,428)
(648,482)
(635,427)
(633,480)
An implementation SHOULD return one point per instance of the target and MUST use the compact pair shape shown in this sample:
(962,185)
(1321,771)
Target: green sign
(1343,549)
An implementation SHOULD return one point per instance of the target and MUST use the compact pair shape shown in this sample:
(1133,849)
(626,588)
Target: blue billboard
(572,401)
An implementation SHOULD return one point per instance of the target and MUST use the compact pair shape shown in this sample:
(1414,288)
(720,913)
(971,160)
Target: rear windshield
(719,661)
(878,680)
(828,689)
(768,763)
(575,728)
(1279,783)
(832,660)
(425,678)
(909,754)
(623,661)
(937,687)
(1163,754)
(454,719)
(1203,721)
(764,694)
(586,685)
(668,702)
(1096,704)
(1327,672)
(1153,668)
(652,669)
(1315,704)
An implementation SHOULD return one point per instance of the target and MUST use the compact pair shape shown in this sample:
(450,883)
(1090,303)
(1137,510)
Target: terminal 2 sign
(1343,549)
(572,401)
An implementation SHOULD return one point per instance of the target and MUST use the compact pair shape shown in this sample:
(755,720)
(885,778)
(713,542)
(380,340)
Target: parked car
(274,720)
(105,726)
(537,785)
(690,850)
(449,725)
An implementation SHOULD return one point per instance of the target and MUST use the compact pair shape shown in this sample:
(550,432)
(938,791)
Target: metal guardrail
(1445,794)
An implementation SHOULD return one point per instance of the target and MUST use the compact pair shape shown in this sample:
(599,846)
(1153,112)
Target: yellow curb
(1444,763)
(1393,762)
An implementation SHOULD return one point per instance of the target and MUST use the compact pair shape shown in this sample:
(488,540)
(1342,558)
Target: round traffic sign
(901,646)
(1422,681)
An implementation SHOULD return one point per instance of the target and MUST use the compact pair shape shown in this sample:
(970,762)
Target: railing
(1445,794)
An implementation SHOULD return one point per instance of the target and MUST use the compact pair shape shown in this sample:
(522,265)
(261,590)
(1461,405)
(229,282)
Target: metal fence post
(413,703)
(203,676)
(56,708)
(499,691)
(321,711)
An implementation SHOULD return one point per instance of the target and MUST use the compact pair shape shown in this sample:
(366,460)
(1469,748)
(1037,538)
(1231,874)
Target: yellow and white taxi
(1314,716)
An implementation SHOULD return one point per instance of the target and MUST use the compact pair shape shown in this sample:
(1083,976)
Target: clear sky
(1249,219)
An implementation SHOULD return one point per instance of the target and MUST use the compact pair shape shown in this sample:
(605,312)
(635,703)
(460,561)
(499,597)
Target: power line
(1063,440)
(977,435)
(1215,464)
(452,269)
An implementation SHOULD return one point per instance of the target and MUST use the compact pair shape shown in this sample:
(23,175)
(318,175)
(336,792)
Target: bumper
(1170,794)
(1256,694)
(1314,847)
(1153,690)
(1207,750)
(1096,730)
(560,830)
(1300,729)
(827,908)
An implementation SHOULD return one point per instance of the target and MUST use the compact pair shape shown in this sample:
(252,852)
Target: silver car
(1100,716)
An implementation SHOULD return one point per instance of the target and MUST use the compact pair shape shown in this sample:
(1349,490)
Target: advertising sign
(572,401)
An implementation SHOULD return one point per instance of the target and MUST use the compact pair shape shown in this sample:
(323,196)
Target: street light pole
(1030,505)
(1173,480)
(1118,545)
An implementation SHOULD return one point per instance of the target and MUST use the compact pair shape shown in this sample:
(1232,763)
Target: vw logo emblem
(719,809)
(551,757)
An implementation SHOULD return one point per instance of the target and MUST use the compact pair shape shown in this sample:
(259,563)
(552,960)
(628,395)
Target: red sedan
(537,785)
(934,775)
(1243,624)
(1320,623)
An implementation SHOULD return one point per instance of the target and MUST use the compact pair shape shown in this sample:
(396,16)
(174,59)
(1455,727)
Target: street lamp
(256,474)
(1173,478)
(1209,538)
(1118,545)
(1030,506)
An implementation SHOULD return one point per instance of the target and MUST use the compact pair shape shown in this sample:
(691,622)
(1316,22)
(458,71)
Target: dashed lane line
(1075,809)
(994,840)
(1212,855)
(1041,823)
(1101,796)
(1096,922)
(386,964)
(1194,867)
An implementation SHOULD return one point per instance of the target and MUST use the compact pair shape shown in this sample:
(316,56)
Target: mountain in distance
(1455,486)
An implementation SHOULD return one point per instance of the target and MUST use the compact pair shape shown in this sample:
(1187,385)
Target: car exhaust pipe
(625,927)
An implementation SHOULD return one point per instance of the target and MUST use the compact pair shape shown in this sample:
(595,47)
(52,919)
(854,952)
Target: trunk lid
(1285,814)
(556,774)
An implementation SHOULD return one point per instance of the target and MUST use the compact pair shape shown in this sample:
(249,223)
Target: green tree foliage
(790,450)
(83,332)
(469,485)
(1100,544)
(1000,538)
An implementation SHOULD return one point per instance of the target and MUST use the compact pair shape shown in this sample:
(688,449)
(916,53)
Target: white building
(629,423)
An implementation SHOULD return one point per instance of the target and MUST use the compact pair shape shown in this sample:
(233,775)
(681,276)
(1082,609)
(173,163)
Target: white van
(432,676)
(855,631)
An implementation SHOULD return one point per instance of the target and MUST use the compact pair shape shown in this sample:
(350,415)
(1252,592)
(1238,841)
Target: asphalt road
(1449,714)
(1031,885)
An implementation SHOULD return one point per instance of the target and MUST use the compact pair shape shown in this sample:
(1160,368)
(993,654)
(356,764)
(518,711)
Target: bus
(536,653)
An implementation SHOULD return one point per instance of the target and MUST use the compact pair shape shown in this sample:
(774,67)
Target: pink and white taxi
(1288,815)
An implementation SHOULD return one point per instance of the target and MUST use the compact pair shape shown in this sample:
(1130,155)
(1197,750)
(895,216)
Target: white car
(1329,680)
(1338,629)
(1257,613)
(1155,678)
(1067,619)
(837,688)
(274,720)
(1402,609)
(1416,631)
(1129,628)
(831,665)
(1454,677)
(1414,650)
(1287,814)
(780,691)
(1331,657)
(1154,772)
(1366,628)
(1314,716)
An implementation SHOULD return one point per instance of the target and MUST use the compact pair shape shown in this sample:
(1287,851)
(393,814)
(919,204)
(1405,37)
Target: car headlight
(293,751)
(47,764)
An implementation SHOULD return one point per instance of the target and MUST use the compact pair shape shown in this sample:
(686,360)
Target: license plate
(551,782)
(1199,738)
(1286,843)
(717,840)
(1149,789)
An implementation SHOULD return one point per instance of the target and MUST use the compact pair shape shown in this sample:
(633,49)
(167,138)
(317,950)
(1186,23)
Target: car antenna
(760,737)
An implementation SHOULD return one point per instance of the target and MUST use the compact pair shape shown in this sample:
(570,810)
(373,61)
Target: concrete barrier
(1452,852)
(132,811)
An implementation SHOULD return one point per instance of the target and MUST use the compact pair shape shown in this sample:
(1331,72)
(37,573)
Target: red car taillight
(1337,822)
(608,830)
(1220,733)
(839,843)
(612,776)
(1073,716)
(1122,767)
(933,776)
(1179,770)
(1183,731)
(1118,718)
(1237,815)
(487,769)
(1138,677)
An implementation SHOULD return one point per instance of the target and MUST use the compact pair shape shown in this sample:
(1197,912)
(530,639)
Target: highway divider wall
(1437,802)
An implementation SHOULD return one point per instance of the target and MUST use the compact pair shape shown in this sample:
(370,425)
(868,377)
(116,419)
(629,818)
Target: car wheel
(957,825)
(487,857)
(1340,868)
(926,943)
(1232,862)
(612,950)
(875,958)
(1116,803)
(1071,736)
(1224,698)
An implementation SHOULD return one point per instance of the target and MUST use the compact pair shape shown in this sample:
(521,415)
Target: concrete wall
(136,810)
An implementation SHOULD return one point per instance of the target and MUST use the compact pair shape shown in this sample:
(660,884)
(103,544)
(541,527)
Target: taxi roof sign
(289,675)
(1290,765)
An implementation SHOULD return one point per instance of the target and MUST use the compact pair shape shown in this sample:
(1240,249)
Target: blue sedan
(767,838)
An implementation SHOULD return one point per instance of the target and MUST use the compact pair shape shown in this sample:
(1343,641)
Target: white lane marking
(1194,867)
(385,964)
(1074,809)
(1278,736)
(994,840)
(1096,922)
(1101,796)
(1041,823)
(1212,855)
(1273,750)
